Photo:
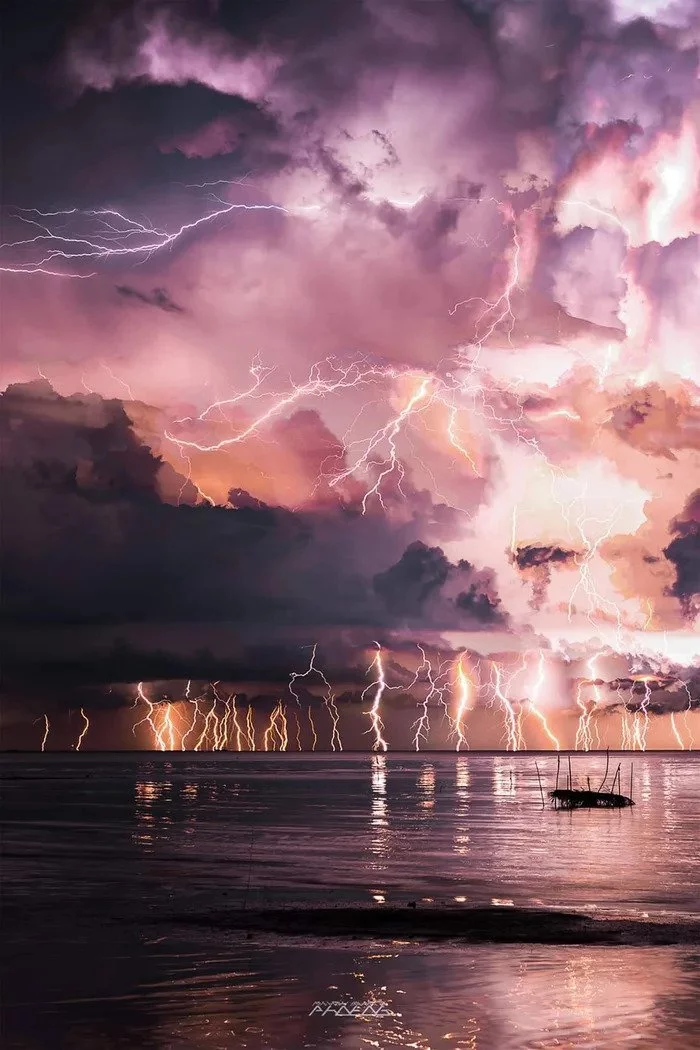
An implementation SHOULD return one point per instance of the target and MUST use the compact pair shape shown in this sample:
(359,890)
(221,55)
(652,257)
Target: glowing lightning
(464,691)
(328,699)
(46,731)
(379,684)
(534,701)
(84,730)
(106,234)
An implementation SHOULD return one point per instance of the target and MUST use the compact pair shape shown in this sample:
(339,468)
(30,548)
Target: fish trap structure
(579,798)
(571,797)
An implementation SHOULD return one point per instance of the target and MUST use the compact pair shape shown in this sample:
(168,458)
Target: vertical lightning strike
(626,728)
(439,683)
(454,440)
(677,735)
(422,723)
(283,728)
(225,725)
(512,727)
(641,727)
(513,530)
(219,722)
(465,688)
(237,728)
(597,698)
(216,720)
(379,685)
(195,716)
(314,735)
(250,728)
(168,728)
(650,615)
(297,733)
(587,734)
(336,741)
(501,309)
(46,731)
(276,735)
(207,728)
(534,701)
(591,547)
(328,699)
(86,726)
(268,735)
(158,740)
(584,739)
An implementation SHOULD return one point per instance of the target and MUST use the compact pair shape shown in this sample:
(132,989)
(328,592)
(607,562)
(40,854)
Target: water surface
(101,854)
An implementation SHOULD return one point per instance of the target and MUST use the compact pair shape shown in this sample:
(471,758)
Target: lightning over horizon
(378,429)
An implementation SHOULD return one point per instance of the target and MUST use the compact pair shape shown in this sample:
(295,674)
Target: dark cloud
(536,563)
(157,297)
(425,585)
(87,539)
(531,556)
(684,552)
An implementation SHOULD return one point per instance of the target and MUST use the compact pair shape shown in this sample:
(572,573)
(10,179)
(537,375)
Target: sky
(356,339)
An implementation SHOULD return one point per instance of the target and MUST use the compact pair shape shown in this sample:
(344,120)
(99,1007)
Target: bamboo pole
(616,778)
(556,786)
(539,781)
(607,766)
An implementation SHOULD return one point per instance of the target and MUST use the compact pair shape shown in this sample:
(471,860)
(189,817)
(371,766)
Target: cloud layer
(373,319)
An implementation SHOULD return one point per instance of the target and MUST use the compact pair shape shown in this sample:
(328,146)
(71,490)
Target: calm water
(101,854)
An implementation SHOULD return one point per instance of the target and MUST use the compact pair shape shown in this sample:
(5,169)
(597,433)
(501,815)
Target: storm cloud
(374,320)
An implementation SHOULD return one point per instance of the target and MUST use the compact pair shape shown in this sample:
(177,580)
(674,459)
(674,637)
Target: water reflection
(151,796)
(503,777)
(477,998)
(426,789)
(461,833)
(88,964)
(379,821)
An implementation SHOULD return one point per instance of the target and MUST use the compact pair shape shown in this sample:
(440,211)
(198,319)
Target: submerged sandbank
(500,925)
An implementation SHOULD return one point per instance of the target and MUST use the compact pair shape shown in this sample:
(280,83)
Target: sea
(114,868)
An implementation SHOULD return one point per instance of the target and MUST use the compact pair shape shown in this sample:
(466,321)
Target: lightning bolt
(237,728)
(86,726)
(464,696)
(104,234)
(158,740)
(512,720)
(421,726)
(535,691)
(250,728)
(45,737)
(328,699)
(501,309)
(379,685)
